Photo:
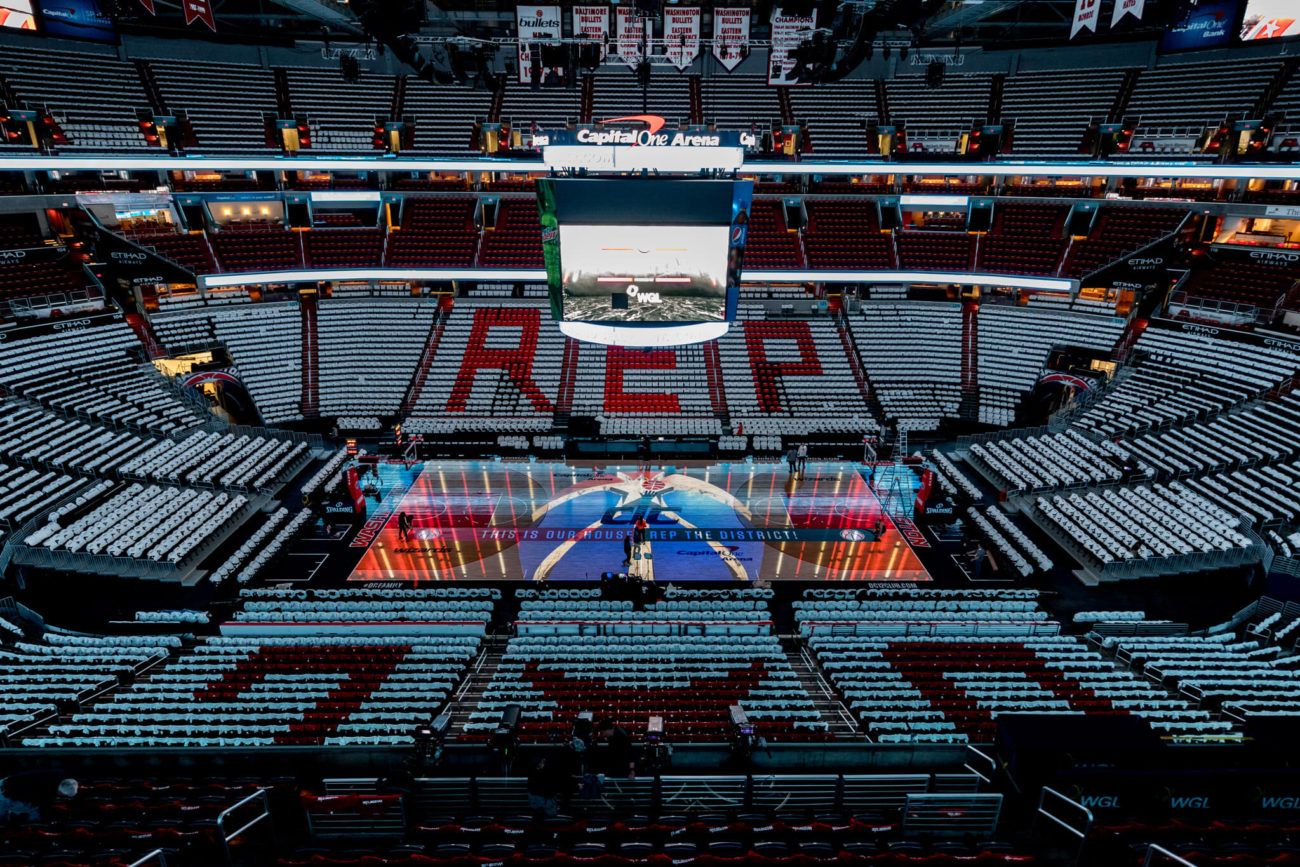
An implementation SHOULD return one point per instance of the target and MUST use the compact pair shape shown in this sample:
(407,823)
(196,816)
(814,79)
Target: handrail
(984,760)
(1166,856)
(154,857)
(1071,803)
(260,794)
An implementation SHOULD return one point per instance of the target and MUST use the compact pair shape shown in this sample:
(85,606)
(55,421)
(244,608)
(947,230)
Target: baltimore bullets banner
(788,33)
(593,23)
(537,24)
(682,35)
(1085,16)
(631,37)
(730,36)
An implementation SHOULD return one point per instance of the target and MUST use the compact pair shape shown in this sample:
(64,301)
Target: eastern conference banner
(788,33)
(730,36)
(682,35)
(593,23)
(537,24)
(631,37)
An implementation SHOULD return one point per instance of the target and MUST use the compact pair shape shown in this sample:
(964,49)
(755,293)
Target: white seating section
(264,552)
(138,521)
(264,340)
(1035,463)
(340,116)
(739,102)
(1184,375)
(1014,343)
(355,380)
(250,550)
(93,97)
(90,373)
(618,94)
(953,479)
(444,116)
(998,530)
(520,335)
(225,101)
(572,648)
(547,109)
(1261,432)
(997,653)
(25,492)
(224,460)
(1050,111)
(1172,101)
(922,387)
(31,435)
(790,378)
(837,117)
(936,117)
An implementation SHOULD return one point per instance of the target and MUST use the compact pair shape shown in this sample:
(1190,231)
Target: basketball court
(723,522)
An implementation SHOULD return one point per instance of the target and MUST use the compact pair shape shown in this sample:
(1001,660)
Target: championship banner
(1127,7)
(536,24)
(682,35)
(1085,16)
(631,37)
(593,23)
(788,33)
(148,4)
(730,36)
(200,10)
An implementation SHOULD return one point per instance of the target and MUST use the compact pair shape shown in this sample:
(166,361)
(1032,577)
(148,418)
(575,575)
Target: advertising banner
(1200,25)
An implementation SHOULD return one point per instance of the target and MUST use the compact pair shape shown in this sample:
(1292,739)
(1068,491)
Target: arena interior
(457,433)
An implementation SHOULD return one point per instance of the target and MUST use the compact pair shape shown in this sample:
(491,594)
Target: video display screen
(643,252)
(1200,24)
(644,273)
(1270,19)
(17,15)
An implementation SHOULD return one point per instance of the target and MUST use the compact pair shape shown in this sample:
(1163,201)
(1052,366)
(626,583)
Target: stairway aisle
(475,684)
(837,717)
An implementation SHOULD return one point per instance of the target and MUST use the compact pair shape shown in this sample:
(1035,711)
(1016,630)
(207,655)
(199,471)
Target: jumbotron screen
(644,252)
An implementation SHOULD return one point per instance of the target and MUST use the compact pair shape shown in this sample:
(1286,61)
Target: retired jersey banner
(537,24)
(1085,16)
(682,35)
(631,37)
(1127,7)
(200,10)
(788,33)
(148,5)
(730,36)
(592,22)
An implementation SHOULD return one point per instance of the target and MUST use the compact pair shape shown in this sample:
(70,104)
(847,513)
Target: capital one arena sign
(622,149)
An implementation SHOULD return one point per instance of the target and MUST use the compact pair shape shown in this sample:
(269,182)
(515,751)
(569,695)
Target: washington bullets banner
(593,23)
(631,37)
(200,10)
(1127,7)
(730,36)
(788,33)
(682,35)
(537,24)
(1085,16)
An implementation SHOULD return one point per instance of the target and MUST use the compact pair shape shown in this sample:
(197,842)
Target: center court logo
(853,535)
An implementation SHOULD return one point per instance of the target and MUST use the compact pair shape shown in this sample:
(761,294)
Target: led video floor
(726,522)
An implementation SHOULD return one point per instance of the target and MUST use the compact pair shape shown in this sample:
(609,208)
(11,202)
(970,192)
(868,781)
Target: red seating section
(769,370)
(846,234)
(617,359)
(261,248)
(769,245)
(190,251)
(1026,239)
(697,712)
(435,232)
(344,248)
(20,233)
(516,362)
(1246,283)
(516,241)
(1118,232)
(38,278)
(360,670)
(926,665)
(936,251)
